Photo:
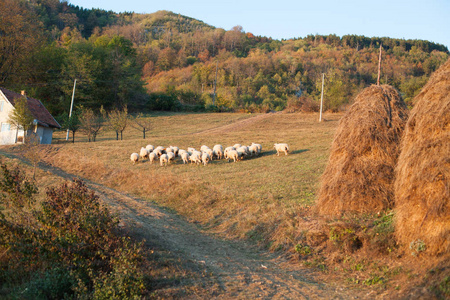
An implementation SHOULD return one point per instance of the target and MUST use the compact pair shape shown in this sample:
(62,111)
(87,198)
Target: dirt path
(225,269)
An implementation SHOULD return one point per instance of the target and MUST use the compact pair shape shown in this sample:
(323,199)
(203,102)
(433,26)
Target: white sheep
(258,146)
(195,157)
(241,152)
(218,151)
(134,157)
(190,150)
(170,156)
(143,153)
(150,148)
(232,154)
(203,148)
(181,151)
(210,153)
(253,149)
(163,160)
(237,146)
(160,149)
(281,147)
(206,158)
(169,150)
(185,157)
(227,149)
(158,152)
(175,150)
(152,157)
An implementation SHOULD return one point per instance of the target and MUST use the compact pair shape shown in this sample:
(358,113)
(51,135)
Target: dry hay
(360,172)
(422,186)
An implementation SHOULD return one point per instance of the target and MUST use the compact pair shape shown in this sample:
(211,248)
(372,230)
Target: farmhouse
(44,123)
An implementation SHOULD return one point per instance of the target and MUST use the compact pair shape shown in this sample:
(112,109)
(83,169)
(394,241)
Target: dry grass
(257,198)
(266,199)
(422,187)
(360,172)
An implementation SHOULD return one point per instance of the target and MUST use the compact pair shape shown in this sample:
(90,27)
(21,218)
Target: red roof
(37,109)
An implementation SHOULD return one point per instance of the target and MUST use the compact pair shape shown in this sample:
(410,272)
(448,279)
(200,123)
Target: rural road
(234,269)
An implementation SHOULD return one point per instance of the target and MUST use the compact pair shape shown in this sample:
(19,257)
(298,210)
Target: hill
(164,60)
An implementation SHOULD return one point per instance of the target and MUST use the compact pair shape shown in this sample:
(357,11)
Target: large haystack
(422,186)
(360,172)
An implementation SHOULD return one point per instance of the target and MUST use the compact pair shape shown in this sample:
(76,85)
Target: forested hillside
(168,61)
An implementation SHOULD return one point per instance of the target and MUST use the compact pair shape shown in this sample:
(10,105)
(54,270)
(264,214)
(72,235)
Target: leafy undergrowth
(66,246)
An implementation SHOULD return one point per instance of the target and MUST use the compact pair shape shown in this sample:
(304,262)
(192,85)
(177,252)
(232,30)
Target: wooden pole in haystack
(379,67)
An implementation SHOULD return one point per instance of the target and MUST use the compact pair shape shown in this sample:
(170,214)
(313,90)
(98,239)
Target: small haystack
(359,176)
(422,186)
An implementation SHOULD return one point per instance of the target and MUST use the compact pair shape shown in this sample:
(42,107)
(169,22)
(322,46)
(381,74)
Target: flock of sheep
(204,156)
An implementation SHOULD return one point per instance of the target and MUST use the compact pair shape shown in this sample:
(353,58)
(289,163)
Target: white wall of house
(7,132)
(9,135)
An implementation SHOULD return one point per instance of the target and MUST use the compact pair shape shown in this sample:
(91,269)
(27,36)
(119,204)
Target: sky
(285,19)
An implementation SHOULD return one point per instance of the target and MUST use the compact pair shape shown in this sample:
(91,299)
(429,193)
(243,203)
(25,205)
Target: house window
(5,127)
(1,105)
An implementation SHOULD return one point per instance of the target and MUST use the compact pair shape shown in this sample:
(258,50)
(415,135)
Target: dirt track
(225,269)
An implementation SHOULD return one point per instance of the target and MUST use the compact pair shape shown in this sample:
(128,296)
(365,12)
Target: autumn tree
(91,123)
(118,121)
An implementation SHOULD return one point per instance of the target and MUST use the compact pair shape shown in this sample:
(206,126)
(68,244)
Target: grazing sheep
(150,148)
(190,150)
(206,158)
(181,151)
(185,157)
(161,149)
(210,153)
(152,157)
(163,160)
(218,151)
(253,150)
(143,153)
(195,157)
(241,152)
(170,156)
(134,157)
(158,152)
(237,146)
(232,154)
(258,146)
(281,147)
(203,148)
(169,150)
(175,150)
(227,149)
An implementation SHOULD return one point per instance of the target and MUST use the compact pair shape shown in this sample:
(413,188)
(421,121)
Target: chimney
(23,93)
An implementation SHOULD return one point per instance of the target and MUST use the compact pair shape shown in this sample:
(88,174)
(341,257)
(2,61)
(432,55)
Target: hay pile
(360,172)
(422,186)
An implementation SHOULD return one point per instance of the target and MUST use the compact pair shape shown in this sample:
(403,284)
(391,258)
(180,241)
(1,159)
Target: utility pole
(321,98)
(71,106)
(215,82)
(379,67)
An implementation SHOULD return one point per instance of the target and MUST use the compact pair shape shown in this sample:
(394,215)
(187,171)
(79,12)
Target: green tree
(20,116)
(71,123)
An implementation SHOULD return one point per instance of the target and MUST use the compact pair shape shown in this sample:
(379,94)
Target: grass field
(264,199)
(255,198)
